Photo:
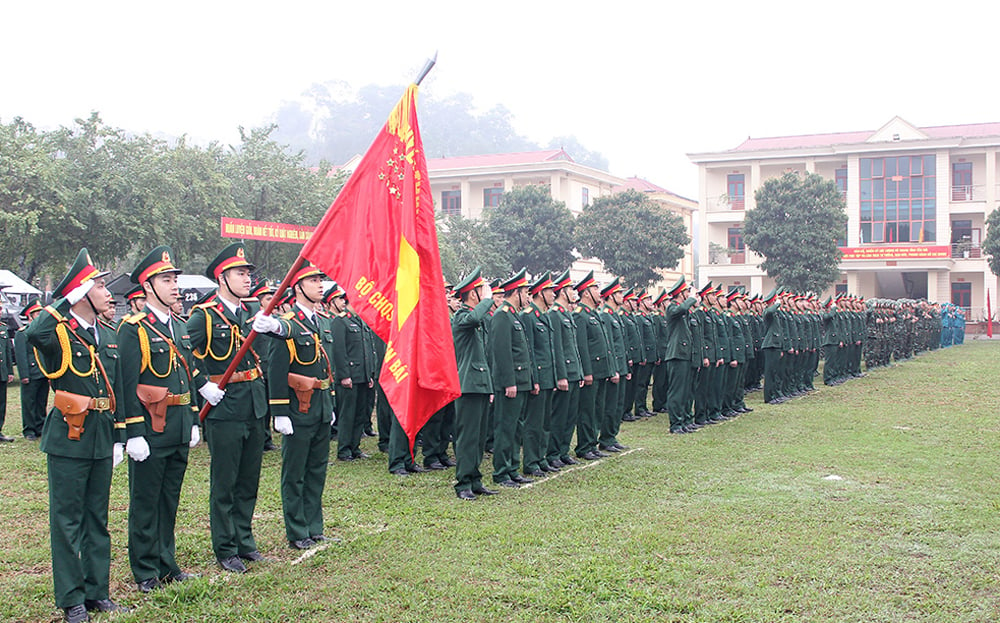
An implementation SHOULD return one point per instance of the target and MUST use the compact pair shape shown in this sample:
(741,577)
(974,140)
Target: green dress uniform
(156,360)
(614,399)
(644,368)
(79,461)
(305,453)
(234,428)
(352,359)
(476,382)
(678,359)
(634,354)
(538,414)
(6,368)
(510,365)
(596,360)
(34,385)
(565,404)
(773,348)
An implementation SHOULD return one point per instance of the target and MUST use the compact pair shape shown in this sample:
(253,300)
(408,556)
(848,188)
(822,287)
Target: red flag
(989,316)
(378,241)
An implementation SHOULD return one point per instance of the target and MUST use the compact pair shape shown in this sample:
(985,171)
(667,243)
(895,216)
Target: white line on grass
(562,470)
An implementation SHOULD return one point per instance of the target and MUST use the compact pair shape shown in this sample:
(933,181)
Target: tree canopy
(991,245)
(535,231)
(795,227)
(466,243)
(633,235)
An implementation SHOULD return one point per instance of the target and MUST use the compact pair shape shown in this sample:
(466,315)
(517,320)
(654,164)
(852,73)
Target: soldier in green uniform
(566,400)
(648,360)
(474,375)
(234,426)
(354,369)
(82,436)
(158,401)
(538,413)
(614,401)
(678,355)
(710,358)
(6,373)
(633,350)
(510,364)
(261,293)
(34,385)
(299,379)
(596,359)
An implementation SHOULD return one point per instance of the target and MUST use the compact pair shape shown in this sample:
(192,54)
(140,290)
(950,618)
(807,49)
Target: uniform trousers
(236,448)
(471,414)
(305,455)
(155,490)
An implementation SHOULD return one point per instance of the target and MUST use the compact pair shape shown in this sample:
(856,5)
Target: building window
(961,181)
(586,198)
(737,251)
(961,294)
(840,177)
(898,199)
(735,190)
(491,197)
(451,202)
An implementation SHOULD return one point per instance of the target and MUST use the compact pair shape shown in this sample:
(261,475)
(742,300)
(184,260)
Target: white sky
(644,83)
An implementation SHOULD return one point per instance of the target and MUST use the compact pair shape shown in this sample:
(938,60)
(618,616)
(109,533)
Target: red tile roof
(972,130)
(644,186)
(494,160)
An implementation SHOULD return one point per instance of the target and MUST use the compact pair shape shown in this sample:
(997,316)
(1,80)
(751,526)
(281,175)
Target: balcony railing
(726,203)
(966,250)
(968,192)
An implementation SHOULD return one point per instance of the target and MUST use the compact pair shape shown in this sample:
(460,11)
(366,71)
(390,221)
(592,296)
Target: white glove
(117,454)
(266,324)
(333,415)
(487,292)
(137,449)
(211,393)
(283,424)
(76,294)
(195,436)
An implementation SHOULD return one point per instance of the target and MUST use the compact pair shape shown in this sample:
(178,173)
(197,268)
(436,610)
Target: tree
(535,232)
(795,227)
(466,243)
(633,235)
(991,245)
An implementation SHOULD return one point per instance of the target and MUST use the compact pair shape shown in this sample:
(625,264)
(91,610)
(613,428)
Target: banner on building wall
(265,230)
(895,253)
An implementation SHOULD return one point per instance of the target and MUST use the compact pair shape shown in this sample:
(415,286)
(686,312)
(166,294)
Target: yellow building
(465,185)
(917,201)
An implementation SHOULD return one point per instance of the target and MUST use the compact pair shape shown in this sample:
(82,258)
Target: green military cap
(495,284)
(587,281)
(157,262)
(233,256)
(543,281)
(79,273)
(678,286)
(734,292)
(136,292)
(705,289)
(308,269)
(629,294)
(773,294)
(472,281)
(642,294)
(33,305)
(562,280)
(611,288)
(261,287)
(518,280)
(334,291)
(662,296)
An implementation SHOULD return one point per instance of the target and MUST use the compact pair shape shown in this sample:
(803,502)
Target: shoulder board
(136,318)
(287,316)
(322,314)
(343,314)
(206,306)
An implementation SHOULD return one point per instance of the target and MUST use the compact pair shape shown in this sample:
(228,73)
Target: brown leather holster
(74,409)
(154,398)
(303,387)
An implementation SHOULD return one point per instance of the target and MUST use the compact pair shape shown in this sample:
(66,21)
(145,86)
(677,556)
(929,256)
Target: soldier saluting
(82,436)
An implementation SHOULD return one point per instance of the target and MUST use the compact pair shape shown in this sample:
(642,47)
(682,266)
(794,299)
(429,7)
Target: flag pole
(245,346)
(427,68)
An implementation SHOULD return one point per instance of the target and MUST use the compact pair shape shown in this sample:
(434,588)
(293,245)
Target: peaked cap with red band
(677,287)
(472,281)
(34,305)
(157,262)
(305,271)
(587,282)
(135,293)
(79,273)
(611,288)
(705,289)
(562,280)
(519,280)
(233,256)
(540,284)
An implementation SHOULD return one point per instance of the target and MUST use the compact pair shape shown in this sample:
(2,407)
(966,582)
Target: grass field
(738,522)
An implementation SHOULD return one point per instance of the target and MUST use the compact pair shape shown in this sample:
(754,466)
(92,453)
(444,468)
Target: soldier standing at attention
(644,368)
(567,364)
(512,381)
(614,400)
(354,369)
(299,378)
(538,418)
(161,418)
(6,373)
(34,385)
(262,292)
(473,406)
(82,437)
(598,370)
(234,426)
(680,389)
